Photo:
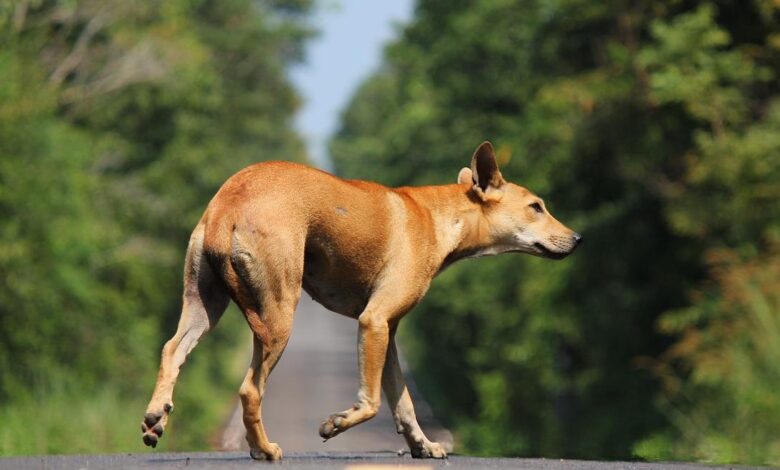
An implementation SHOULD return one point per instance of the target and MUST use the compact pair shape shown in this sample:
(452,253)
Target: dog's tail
(216,244)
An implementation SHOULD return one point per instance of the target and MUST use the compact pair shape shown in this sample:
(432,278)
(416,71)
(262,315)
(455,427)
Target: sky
(347,50)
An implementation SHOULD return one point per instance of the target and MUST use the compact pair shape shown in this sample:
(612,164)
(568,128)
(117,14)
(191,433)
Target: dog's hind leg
(267,291)
(204,301)
(400,401)
(264,359)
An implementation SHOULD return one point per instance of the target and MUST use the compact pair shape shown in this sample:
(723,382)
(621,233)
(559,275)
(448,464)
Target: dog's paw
(154,423)
(274,452)
(429,450)
(331,426)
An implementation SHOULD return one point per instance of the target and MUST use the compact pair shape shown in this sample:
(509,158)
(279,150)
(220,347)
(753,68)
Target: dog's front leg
(401,404)
(373,336)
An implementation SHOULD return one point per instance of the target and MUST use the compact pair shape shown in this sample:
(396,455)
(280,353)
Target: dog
(358,248)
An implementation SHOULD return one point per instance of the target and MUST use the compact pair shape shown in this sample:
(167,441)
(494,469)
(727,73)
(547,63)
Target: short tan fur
(360,249)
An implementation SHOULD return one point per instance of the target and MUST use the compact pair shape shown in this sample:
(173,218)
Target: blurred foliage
(650,127)
(725,407)
(118,122)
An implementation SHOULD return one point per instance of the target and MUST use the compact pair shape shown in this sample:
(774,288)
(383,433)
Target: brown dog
(360,249)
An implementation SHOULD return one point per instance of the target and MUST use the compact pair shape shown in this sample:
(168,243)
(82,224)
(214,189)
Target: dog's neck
(458,223)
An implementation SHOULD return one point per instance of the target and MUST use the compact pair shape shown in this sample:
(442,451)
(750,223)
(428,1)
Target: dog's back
(336,230)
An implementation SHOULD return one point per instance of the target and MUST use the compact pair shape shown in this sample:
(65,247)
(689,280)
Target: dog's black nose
(577,238)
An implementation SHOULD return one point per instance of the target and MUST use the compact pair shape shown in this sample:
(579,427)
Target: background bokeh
(652,127)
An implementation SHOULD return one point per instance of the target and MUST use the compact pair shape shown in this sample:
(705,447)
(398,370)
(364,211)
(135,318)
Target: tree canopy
(650,127)
(118,122)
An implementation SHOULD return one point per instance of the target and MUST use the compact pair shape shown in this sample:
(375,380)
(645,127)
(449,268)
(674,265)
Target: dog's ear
(465,176)
(485,174)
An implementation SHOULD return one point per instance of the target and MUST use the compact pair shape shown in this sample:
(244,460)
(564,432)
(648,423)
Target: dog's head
(517,219)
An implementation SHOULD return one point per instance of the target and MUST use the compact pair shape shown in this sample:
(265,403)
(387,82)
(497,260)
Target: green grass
(69,422)
(68,419)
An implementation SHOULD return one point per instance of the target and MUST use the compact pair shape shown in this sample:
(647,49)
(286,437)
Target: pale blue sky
(348,49)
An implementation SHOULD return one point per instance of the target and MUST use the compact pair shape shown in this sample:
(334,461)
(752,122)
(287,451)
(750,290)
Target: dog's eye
(537,207)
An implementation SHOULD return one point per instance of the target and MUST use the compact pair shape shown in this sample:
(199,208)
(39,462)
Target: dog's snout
(577,238)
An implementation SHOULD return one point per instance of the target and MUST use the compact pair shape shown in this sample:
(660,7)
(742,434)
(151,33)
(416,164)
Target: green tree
(118,122)
(720,376)
(648,126)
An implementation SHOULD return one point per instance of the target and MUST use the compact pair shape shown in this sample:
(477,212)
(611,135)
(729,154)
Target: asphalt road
(316,376)
(346,461)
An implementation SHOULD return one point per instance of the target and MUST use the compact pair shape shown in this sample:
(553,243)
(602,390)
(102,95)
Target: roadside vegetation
(118,122)
(653,128)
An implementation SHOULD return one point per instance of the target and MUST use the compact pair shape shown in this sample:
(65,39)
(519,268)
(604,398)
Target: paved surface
(317,376)
(378,460)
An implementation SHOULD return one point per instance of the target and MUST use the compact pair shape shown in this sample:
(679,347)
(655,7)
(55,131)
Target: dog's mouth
(548,253)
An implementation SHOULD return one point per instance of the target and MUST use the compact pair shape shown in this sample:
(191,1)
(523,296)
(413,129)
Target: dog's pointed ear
(485,175)
(465,176)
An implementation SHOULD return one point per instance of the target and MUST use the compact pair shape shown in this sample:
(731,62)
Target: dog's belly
(335,296)
(336,282)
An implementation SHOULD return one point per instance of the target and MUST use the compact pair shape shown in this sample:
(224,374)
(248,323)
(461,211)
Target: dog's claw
(150,419)
(429,450)
(327,429)
(153,425)
(150,440)
(332,426)
(274,453)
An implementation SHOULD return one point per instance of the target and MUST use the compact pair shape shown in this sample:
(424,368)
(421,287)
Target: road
(316,376)
(346,461)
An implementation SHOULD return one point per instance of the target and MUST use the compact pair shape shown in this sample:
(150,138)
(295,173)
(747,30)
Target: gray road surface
(317,376)
(346,461)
